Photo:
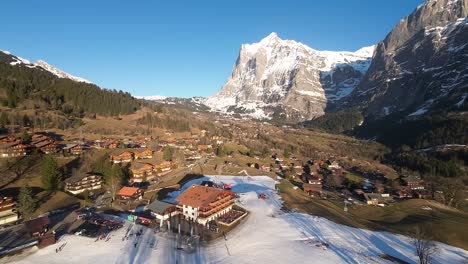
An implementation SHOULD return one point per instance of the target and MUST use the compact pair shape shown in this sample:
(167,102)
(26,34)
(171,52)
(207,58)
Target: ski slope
(267,235)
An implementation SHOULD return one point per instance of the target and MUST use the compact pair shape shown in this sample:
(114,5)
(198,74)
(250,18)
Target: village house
(110,144)
(142,172)
(49,148)
(8,211)
(13,149)
(83,182)
(45,144)
(203,204)
(143,153)
(313,189)
(129,194)
(121,156)
(143,142)
(333,164)
(164,167)
(414,183)
(7,139)
(376,198)
(162,211)
(74,149)
(204,147)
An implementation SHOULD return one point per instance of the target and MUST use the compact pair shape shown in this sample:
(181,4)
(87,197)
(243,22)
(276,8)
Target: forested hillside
(39,88)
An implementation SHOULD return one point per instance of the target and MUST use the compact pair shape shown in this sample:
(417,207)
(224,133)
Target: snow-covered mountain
(15,60)
(59,73)
(285,79)
(151,97)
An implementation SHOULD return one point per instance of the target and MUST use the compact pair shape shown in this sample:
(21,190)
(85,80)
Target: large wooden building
(7,211)
(83,182)
(142,172)
(129,194)
(203,204)
(143,153)
(121,156)
(13,149)
(164,167)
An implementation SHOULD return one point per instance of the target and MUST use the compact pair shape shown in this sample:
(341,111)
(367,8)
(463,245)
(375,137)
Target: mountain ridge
(288,79)
(16,60)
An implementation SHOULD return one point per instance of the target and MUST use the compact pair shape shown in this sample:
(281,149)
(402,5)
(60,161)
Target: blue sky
(181,48)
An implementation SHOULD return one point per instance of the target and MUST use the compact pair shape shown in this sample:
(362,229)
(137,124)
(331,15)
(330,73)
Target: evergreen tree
(26,204)
(168,153)
(51,175)
(26,137)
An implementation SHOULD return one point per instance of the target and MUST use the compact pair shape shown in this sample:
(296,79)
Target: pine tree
(26,204)
(167,154)
(51,175)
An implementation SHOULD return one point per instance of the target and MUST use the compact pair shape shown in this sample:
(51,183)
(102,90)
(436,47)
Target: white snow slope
(267,235)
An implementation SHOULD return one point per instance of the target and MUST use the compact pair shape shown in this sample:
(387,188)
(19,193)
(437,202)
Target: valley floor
(267,235)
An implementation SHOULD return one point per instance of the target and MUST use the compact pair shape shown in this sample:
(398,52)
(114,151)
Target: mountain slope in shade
(421,66)
(13,60)
(285,79)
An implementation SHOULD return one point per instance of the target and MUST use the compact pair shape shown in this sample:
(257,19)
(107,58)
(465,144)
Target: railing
(215,210)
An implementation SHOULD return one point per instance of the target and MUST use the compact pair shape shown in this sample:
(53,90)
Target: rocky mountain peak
(276,78)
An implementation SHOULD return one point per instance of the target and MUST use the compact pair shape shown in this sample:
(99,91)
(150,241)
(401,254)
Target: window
(193,213)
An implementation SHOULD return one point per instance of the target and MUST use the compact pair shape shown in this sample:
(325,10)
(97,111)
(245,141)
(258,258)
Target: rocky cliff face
(277,78)
(422,62)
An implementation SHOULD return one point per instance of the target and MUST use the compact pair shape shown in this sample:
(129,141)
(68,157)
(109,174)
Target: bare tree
(425,249)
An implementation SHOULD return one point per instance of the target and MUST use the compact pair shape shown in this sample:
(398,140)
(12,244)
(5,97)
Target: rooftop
(159,206)
(80,176)
(128,191)
(201,196)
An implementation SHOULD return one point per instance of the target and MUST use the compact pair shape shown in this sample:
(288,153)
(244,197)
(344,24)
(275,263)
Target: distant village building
(333,164)
(143,153)
(164,167)
(376,198)
(74,149)
(13,149)
(83,182)
(129,194)
(203,204)
(121,156)
(8,211)
(313,189)
(142,172)
(45,144)
(414,183)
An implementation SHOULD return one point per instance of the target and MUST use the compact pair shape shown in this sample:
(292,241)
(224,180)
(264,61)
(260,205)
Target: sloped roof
(140,166)
(80,176)
(201,196)
(159,206)
(128,191)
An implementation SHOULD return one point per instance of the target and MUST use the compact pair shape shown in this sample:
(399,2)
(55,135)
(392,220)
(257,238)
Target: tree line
(20,83)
